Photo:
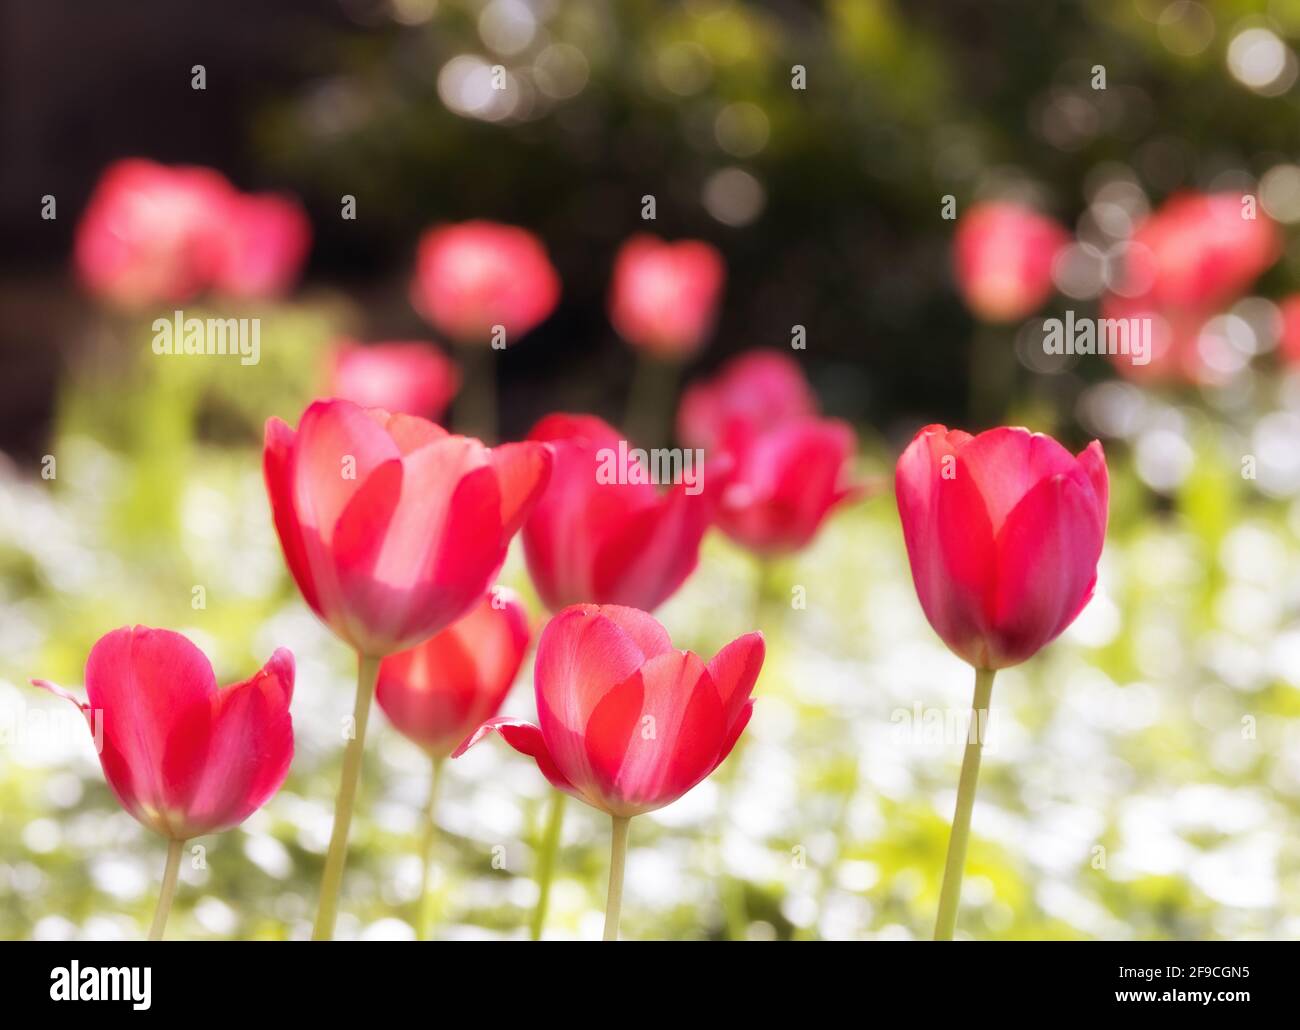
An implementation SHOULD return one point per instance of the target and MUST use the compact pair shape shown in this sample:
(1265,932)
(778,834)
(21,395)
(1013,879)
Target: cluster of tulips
(395,530)
(1180,266)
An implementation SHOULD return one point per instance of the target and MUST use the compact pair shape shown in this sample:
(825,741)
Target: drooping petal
(525,738)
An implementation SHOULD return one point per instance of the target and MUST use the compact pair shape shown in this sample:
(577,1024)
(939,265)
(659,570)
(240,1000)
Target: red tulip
(608,542)
(1185,262)
(754,392)
(1003,532)
(152,234)
(1004,253)
(785,482)
(438,692)
(266,240)
(1289,344)
(392,527)
(664,296)
(627,723)
(183,757)
(472,276)
(407,378)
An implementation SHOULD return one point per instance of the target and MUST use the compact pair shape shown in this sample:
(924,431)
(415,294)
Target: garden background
(1143,774)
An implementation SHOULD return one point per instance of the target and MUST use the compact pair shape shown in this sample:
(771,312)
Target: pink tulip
(183,757)
(626,723)
(438,692)
(392,527)
(758,390)
(785,482)
(406,378)
(266,240)
(1185,262)
(664,296)
(473,276)
(152,234)
(608,542)
(1003,531)
(1004,253)
(1289,343)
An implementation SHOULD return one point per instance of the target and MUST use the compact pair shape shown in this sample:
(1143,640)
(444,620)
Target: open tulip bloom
(439,691)
(627,723)
(1003,532)
(393,529)
(184,757)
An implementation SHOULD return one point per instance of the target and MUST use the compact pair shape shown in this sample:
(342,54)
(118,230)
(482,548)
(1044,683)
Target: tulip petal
(338,446)
(1092,459)
(523,470)
(673,741)
(648,553)
(581,656)
(249,750)
(949,538)
(1047,562)
(154,689)
(1007,462)
(734,671)
(277,468)
(525,738)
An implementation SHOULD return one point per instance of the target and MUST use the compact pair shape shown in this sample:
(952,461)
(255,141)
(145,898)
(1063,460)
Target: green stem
(546,862)
(332,879)
(170,872)
(617,859)
(650,402)
(474,411)
(950,893)
(427,840)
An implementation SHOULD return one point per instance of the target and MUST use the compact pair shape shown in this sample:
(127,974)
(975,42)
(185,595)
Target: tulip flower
(600,537)
(759,390)
(785,483)
(1183,264)
(152,234)
(1003,532)
(182,757)
(626,723)
(438,692)
(1003,252)
(483,285)
(1289,339)
(474,276)
(265,242)
(663,300)
(393,529)
(664,296)
(405,378)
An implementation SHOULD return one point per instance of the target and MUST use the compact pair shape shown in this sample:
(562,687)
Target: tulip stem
(168,891)
(332,878)
(427,840)
(475,407)
(950,893)
(617,859)
(650,401)
(546,862)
